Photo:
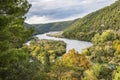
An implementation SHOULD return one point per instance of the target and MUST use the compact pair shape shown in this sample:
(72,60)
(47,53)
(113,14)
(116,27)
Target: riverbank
(70,44)
(56,34)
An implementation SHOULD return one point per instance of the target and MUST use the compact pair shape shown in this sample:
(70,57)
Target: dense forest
(47,59)
(40,47)
(96,22)
(14,60)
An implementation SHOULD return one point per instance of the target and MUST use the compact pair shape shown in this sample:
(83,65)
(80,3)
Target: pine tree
(14,61)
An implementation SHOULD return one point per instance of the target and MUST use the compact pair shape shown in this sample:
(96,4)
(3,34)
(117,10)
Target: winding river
(70,44)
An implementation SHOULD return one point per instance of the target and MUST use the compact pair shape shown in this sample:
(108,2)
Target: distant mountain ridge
(55,26)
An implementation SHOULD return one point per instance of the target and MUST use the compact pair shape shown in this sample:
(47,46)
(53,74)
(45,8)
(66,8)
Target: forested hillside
(55,26)
(96,22)
(103,29)
(47,59)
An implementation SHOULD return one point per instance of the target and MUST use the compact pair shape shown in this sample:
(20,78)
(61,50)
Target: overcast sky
(46,11)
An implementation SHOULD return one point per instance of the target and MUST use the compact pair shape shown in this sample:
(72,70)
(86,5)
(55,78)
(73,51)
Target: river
(70,44)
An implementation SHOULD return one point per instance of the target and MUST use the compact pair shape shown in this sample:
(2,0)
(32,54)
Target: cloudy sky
(46,11)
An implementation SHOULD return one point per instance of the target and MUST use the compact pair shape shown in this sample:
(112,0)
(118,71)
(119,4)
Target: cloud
(37,19)
(45,11)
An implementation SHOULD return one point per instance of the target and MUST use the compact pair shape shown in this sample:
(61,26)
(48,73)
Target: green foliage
(108,35)
(74,65)
(104,54)
(15,65)
(41,76)
(58,70)
(46,51)
(99,62)
(96,22)
(116,45)
(14,61)
(11,22)
(105,72)
(116,74)
(47,46)
(56,26)
(45,59)
(76,59)
(96,69)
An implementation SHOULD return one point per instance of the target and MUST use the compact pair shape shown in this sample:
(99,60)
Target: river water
(70,44)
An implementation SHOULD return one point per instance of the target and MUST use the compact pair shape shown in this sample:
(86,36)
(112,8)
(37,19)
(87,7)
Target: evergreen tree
(14,61)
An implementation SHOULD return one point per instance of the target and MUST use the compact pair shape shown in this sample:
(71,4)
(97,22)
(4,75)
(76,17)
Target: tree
(12,16)
(108,35)
(116,74)
(14,60)
(77,64)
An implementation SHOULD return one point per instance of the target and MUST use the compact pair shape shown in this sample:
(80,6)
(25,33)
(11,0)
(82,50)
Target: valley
(86,48)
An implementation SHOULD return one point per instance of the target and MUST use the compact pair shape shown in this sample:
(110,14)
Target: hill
(55,26)
(96,22)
